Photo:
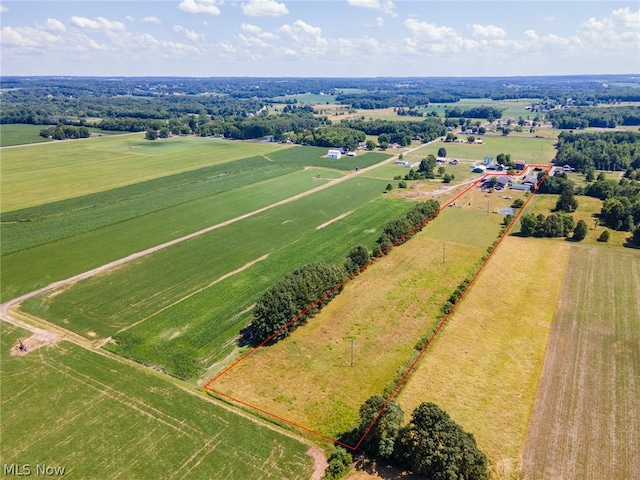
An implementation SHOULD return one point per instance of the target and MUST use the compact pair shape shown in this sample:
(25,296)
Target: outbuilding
(335,154)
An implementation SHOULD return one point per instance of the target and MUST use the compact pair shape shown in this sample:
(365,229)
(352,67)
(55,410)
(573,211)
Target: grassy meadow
(484,367)
(588,210)
(102,418)
(585,422)
(307,377)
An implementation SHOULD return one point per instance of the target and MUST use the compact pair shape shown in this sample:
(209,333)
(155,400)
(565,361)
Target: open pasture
(316,156)
(45,173)
(306,98)
(102,418)
(307,378)
(588,210)
(527,148)
(490,354)
(586,418)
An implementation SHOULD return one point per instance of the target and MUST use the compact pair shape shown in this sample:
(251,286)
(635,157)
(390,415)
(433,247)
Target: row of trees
(430,444)
(304,292)
(490,113)
(62,132)
(428,129)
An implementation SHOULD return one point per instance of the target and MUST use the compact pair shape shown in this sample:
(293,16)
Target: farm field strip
(586,421)
(30,227)
(104,245)
(129,413)
(34,174)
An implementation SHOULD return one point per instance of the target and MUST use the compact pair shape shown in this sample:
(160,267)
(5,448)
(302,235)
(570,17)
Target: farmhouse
(530,179)
(335,154)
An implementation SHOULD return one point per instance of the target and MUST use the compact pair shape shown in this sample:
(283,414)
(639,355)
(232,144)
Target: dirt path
(9,313)
(4,308)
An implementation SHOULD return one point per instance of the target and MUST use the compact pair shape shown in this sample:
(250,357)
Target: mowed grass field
(307,378)
(100,418)
(527,148)
(484,367)
(586,420)
(44,173)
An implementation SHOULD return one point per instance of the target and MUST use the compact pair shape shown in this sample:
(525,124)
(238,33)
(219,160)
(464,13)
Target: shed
(521,164)
(335,154)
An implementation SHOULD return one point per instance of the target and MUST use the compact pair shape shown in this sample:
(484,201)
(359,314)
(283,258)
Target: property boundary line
(209,388)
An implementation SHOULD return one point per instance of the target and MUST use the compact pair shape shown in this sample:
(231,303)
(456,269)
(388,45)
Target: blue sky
(335,38)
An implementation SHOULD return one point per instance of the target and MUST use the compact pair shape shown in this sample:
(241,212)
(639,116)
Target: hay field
(485,366)
(307,378)
(586,420)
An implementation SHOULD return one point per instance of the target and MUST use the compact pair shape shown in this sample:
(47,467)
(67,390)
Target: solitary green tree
(442,152)
(381,438)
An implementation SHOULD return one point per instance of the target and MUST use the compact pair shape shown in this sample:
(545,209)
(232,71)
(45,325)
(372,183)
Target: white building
(335,154)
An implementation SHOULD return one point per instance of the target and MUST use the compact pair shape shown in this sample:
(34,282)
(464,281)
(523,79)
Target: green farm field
(102,305)
(117,239)
(307,98)
(45,173)
(101,418)
(307,377)
(484,367)
(586,421)
(20,134)
(510,108)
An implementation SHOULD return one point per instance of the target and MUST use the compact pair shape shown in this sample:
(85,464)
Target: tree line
(599,151)
(304,292)
(583,117)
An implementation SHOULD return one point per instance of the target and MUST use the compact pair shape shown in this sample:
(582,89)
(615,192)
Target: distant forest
(245,108)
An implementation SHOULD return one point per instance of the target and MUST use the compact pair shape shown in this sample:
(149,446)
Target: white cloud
(54,25)
(27,37)
(264,8)
(190,34)
(308,37)
(626,18)
(549,18)
(129,18)
(199,6)
(488,31)
(247,27)
(99,24)
(379,23)
(531,34)
(386,7)
(152,19)
(3,9)
(429,31)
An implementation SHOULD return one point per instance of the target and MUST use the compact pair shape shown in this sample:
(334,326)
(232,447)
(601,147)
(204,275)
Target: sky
(327,38)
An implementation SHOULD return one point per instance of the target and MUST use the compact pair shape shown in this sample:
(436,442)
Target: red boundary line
(442,323)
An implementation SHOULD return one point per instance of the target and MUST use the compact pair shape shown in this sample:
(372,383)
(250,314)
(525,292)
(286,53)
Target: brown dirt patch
(34,342)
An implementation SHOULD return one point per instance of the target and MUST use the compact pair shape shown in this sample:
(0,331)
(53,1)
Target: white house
(335,154)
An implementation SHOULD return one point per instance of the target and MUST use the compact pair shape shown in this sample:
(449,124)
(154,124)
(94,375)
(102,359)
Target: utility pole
(444,248)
